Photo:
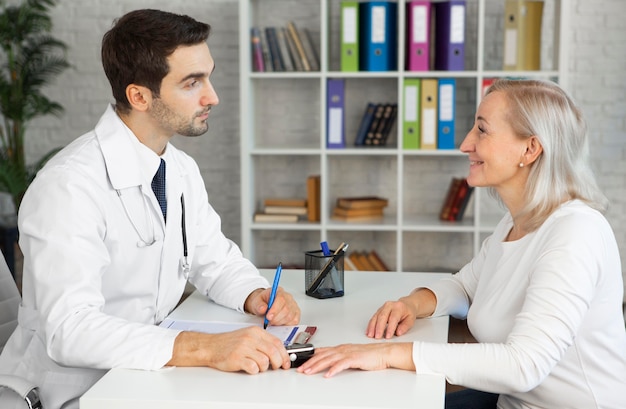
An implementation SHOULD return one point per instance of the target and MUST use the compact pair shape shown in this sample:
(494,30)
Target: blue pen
(325,248)
(338,288)
(273,293)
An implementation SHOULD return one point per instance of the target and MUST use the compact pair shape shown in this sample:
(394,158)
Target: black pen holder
(323,275)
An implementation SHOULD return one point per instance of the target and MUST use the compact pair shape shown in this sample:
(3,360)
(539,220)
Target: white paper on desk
(287,333)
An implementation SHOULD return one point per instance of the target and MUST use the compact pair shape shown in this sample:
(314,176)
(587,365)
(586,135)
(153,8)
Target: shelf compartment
(285,113)
(425,186)
(362,176)
(286,246)
(493,54)
(436,251)
(283,176)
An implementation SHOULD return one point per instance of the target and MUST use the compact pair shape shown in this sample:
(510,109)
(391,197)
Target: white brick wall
(597,82)
(597,79)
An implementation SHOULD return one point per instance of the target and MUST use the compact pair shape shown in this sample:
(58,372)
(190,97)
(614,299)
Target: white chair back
(9,302)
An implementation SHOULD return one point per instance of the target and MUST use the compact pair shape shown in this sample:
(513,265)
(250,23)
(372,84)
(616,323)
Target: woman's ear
(533,149)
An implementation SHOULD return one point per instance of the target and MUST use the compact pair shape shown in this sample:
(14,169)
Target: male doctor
(105,261)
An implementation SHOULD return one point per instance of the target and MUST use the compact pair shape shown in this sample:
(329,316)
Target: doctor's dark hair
(136,48)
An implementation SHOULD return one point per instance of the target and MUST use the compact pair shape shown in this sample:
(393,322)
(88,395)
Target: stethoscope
(143,242)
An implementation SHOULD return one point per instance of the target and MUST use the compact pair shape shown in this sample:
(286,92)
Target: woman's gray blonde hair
(562,172)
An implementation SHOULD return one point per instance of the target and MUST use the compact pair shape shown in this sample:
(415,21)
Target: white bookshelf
(283,140)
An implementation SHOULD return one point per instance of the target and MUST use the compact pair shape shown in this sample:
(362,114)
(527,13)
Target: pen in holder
(324,274)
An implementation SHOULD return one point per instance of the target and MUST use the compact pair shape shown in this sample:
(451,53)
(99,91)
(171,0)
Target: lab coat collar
(129,163)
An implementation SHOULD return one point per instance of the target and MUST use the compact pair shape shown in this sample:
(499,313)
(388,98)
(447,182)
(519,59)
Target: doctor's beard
(175,122)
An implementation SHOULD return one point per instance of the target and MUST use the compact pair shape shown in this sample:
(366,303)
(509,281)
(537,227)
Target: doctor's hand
(249,349)
(284,311)
(369,357)
(397,317)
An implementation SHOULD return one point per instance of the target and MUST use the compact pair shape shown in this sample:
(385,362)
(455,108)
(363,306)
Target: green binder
(411,114)
(349,36)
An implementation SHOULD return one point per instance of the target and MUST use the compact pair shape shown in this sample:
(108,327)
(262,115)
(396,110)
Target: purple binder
(449,35)
(335,114)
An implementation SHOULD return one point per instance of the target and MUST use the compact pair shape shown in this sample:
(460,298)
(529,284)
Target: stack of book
(457,198)
(282,210)
(359,208)
(364,261)
(376,124)
(283,49)
(293,209)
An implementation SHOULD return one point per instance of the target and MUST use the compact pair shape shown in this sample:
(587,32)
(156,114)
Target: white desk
(338,320)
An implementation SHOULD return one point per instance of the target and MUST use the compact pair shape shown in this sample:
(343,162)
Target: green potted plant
(30,58)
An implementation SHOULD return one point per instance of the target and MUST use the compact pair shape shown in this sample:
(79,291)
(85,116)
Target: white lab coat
(92,290)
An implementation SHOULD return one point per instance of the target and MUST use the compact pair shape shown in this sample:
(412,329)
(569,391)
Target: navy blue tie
(158,187)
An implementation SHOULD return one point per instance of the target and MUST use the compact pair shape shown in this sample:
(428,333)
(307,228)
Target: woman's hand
(397,317)
(368,357)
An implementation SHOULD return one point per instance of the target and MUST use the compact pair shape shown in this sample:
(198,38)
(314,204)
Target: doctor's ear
(139,97)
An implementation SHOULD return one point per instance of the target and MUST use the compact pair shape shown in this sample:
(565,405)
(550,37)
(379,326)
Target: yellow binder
(522,34)
(428,116)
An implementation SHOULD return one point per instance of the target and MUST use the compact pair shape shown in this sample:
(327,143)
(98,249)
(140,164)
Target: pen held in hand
(273,293)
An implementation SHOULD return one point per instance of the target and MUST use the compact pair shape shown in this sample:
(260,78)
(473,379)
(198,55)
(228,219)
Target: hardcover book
(365,211)
(313,198)
(376,261)
(298,210)
(279,201)
(366,121)
(361,202)
(297,41)
(275,218)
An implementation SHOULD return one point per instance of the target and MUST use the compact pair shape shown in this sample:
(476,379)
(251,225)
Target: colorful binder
(378,41)
(418,35)
(411,114)
(450,35)
(349,60)
(522,34)
(428,114)
(446,113)
(335,131)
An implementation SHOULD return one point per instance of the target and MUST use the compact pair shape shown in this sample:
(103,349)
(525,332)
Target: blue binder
(446,113)
(378,42)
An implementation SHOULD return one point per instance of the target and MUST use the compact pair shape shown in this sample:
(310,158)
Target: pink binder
(418,35)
